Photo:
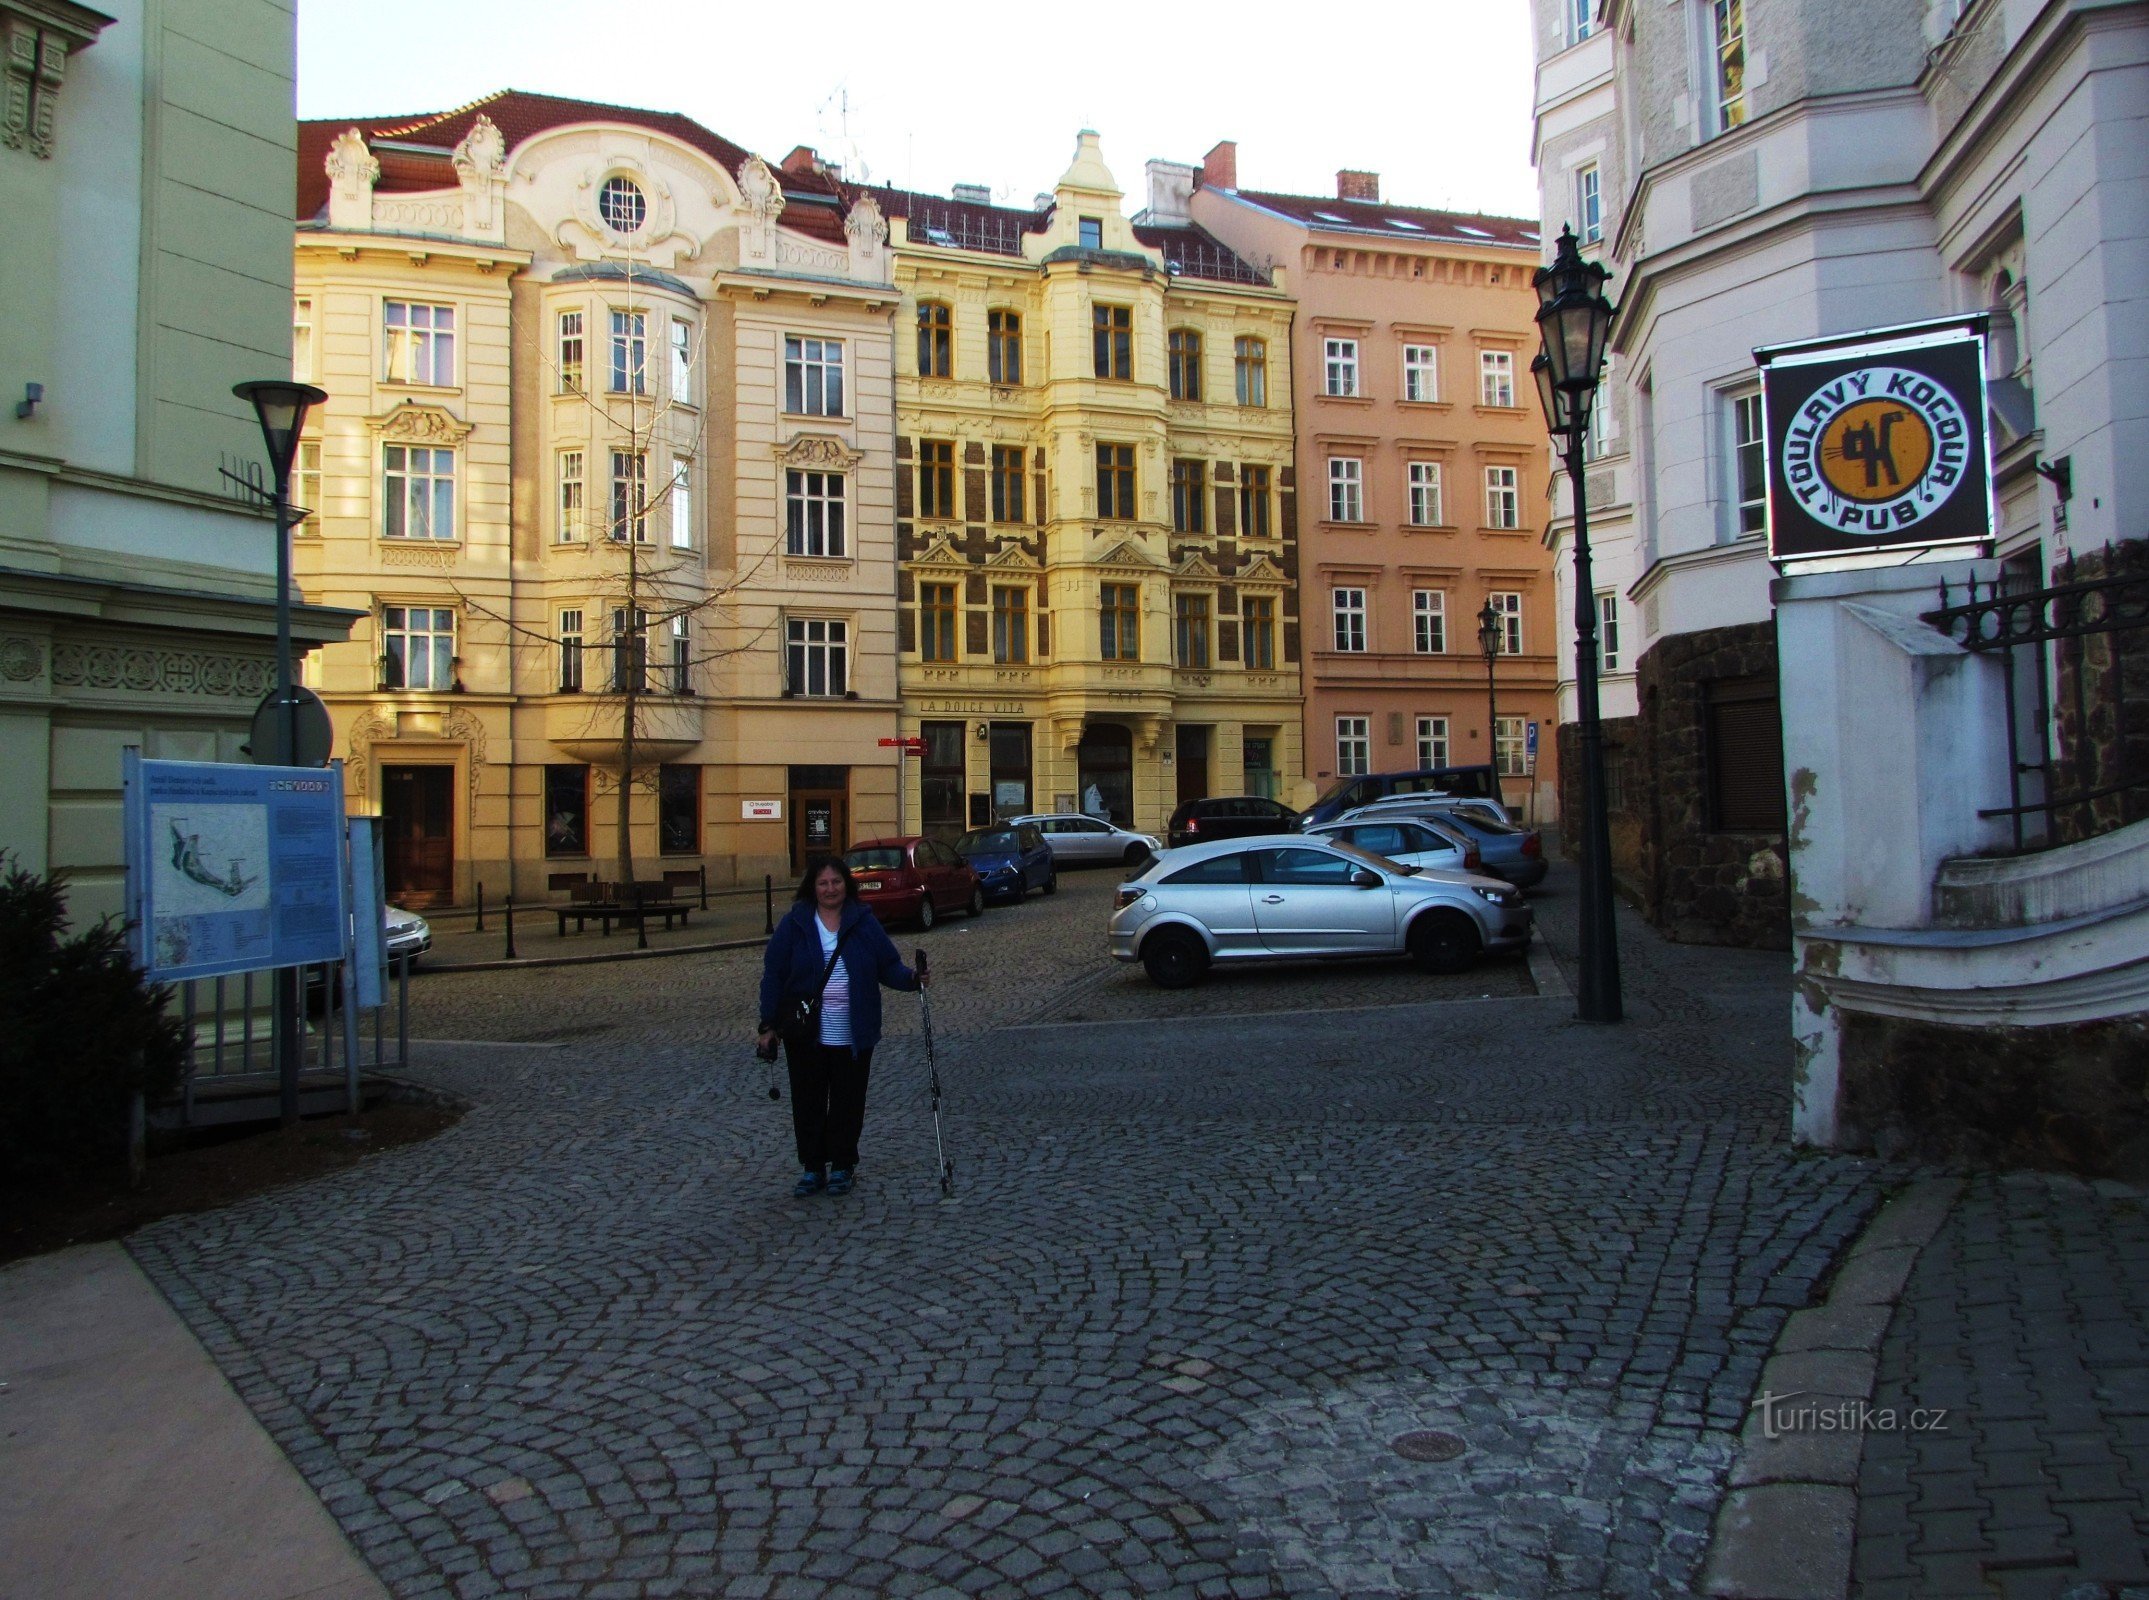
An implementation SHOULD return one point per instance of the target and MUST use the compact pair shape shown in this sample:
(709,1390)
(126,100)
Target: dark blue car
(1350,793)
(1010,861)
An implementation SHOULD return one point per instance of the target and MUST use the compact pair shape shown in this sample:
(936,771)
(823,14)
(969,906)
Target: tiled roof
(1194,252)
(957,224)
(1377,217)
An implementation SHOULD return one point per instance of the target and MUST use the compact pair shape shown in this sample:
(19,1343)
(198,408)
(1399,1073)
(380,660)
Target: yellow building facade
(1096,511)
(607,462)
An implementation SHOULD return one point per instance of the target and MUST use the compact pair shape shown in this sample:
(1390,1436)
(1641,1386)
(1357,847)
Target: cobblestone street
(1210,1255)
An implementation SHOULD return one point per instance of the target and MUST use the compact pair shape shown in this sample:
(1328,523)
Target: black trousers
(828,1103)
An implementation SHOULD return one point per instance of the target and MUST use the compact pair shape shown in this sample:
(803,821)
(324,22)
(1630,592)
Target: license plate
(869,883)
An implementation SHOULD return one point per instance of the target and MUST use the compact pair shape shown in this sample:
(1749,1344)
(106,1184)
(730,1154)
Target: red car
(914,880)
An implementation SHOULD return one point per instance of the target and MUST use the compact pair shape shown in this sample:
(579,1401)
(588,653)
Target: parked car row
(920,879)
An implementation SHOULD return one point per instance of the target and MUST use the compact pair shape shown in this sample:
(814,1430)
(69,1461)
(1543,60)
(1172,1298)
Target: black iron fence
(2075,652)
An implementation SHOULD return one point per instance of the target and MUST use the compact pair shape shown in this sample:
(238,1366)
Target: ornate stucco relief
(143,670)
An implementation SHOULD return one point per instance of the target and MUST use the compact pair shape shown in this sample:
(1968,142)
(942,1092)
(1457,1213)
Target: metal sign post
(902,748)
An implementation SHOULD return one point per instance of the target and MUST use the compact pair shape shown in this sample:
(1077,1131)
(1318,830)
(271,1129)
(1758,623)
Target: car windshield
(988,841)
(880,857)
(1366,857)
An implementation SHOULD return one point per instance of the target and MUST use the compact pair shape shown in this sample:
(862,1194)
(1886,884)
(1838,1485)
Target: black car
(1228,817)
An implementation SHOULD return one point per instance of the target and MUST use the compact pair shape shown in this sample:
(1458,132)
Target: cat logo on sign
(1878,443)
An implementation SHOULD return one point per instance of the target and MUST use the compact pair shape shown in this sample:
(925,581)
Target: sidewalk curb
(592,959)
(1788,1525)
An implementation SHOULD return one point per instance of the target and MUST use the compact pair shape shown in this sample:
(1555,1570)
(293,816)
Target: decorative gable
(940,554)
(1012,558)
(1260,570)
(1126,554)
(411,423)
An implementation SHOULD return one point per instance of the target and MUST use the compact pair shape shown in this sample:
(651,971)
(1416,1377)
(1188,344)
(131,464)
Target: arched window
(936,340)
(1250,363)
(1185,350)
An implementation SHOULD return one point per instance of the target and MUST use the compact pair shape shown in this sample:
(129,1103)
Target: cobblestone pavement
(2027,1321)
(1198,1275)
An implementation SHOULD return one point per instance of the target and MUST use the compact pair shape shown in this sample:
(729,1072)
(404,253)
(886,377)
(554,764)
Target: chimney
(803,159)
(1220,167)
(1171,185)
(1357,185)
(976,194)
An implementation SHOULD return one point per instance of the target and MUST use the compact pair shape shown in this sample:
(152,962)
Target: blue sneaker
(810,1183)
(839,1181)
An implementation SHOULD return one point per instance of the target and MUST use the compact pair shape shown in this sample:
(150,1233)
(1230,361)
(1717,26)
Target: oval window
(621,205)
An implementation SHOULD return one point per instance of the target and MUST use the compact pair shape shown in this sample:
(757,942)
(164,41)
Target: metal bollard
(480,928)
(511,927)
(702,872)
(768,902)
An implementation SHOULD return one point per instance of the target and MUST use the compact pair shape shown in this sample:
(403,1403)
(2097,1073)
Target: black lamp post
(1574,321)
(281,408)
(1488,640)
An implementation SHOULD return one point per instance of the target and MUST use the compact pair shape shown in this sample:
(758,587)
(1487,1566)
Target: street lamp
(1488,640)
(280,407)
(1574,323)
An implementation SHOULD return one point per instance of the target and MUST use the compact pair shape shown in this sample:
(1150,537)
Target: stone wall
(1626,791)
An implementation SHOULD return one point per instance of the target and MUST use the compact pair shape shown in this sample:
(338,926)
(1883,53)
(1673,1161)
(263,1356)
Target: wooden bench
(605,903)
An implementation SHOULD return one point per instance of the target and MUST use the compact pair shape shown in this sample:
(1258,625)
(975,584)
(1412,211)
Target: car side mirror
(1366,878)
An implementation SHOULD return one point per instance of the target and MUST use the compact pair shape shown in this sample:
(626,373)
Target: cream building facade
(608,465)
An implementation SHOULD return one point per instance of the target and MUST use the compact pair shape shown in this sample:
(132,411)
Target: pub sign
(1877,441)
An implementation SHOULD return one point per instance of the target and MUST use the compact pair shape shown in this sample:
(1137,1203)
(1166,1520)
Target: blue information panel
(234,869)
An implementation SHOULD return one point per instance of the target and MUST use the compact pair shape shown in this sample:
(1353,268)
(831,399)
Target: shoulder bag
(799,1022)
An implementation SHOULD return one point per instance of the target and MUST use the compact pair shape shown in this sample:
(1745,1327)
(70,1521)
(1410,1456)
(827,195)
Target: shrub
(82,1031)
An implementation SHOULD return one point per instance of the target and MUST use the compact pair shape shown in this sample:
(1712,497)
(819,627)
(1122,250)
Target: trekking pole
(932,1078)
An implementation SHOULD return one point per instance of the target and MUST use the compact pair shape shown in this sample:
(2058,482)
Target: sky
(1435,96)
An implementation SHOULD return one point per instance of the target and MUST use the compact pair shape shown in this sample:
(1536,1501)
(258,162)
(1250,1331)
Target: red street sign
(914,747)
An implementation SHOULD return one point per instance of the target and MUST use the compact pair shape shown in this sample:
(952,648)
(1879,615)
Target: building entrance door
(820,813)
(1010,769)
(418,835)
(1193,760)
(1261,767)
(1104,762)
(941,780)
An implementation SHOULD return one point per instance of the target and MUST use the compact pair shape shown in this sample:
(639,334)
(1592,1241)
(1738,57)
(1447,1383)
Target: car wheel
(926,913)
(1135,856)
(1445,941)
(1052,883)
(1174,958)
(976,907)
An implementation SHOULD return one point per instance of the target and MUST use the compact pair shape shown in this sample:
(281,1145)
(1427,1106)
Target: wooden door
(1193,762)
(820,824)
(418,835)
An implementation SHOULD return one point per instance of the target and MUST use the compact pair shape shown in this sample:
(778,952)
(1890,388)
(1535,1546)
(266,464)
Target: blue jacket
(793,963)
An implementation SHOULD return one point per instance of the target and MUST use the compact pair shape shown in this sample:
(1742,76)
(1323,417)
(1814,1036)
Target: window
(1508,745)
(302,356)
(1119,624)
(936,621)
(417,647)
(1751,472)
(1312,868)
(1190,494)
(678,810)
(418,492)
(570,496)
(1580,22)
(570,352)
(1258,633)
(936,478)
(630,496)
(1346,489)
(1253,502)
(622,206)
(1425,505)
(1350,615)
(1728,45)
(1429,621)
(1503,497)
(1190,631)
(1250,371)
(1089,233)
(1010,626)
(813,514)
(1003,346)
(1593,429)
(306,484)
(567,810)
(1744,754)
(1432,742)
(1007,483)
(936,339)
(1507,606)
(630,352)
(1115,481)
(682,361)
(571,651)
(813,377)
(682,663)
(1608,632)
(630,651)
(1354,746)
(1496,377)
(1421,372)
(1217,869)
(1112,335)
(817,655)
(1185,352)
(421,344)
(682,506)
(1589,204)
(1340,365)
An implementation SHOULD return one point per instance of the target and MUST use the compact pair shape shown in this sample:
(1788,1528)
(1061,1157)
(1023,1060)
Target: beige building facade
(608,465)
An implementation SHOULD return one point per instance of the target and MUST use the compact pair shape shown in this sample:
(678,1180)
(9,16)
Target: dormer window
(1091,233)
(622,206)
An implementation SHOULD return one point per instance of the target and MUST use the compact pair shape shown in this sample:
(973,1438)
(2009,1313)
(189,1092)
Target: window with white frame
(1421,372)
(571,650)
(1589,203)
(570,344)
(1581,20)
(622,206)
(302,356)
(1749,471)
(1727,51)
(813,376)
(417,492)
(1429,621)
(630,651)
(630,496)
(1340,363)
(1354,746)
(1346,489)
(1507,607)
(813,513)
(570,498)
(1496,377)
(1349,606)
(682,663)
(1595,430)
(682,361)
(630,352)
(682,506)
(817,655)
(306,485)
(1432,742)
(1425,508)
(1607,632)
(1503,497)
(420,344)
(1510,745)
(417,647)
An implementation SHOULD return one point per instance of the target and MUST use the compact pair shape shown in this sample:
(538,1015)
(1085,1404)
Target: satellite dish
(316,734)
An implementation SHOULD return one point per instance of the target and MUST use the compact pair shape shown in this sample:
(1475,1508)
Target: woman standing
(829,947)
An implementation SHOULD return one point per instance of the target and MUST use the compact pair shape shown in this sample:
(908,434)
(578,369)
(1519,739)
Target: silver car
(1077,840)
(1263,899)
(1424,842)
(1424,804)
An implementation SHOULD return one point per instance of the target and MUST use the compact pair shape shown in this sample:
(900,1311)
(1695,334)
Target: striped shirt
(836,998)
